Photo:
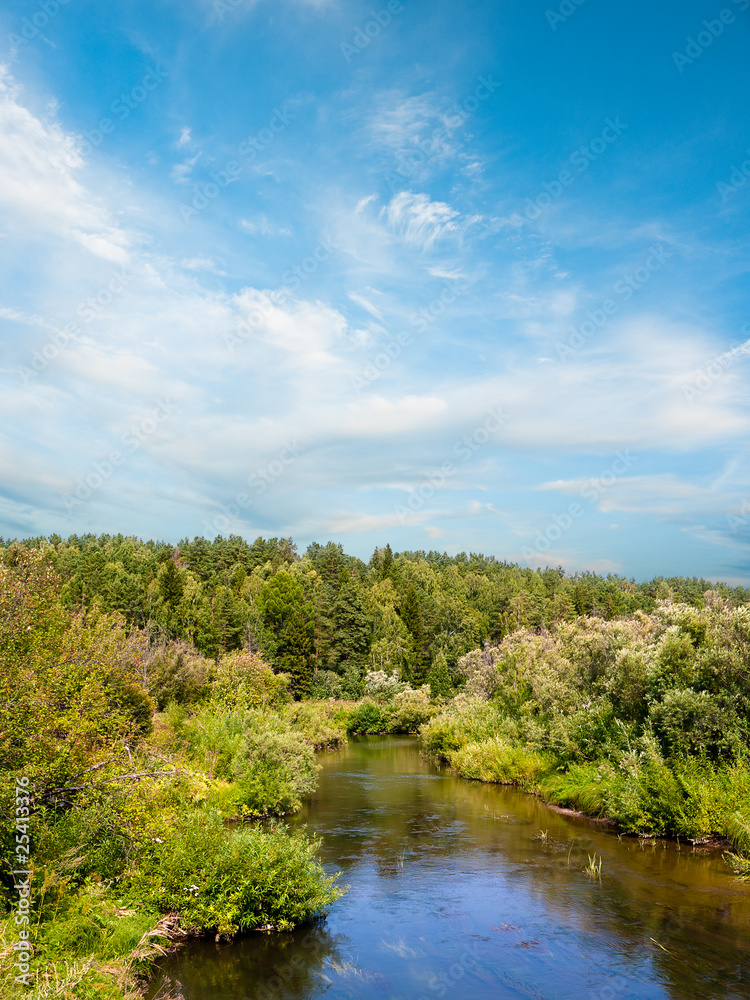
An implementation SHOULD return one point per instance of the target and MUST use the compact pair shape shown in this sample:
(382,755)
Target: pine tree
(411,615)
(288,620)
(352,629)
(229,620)
(439,677)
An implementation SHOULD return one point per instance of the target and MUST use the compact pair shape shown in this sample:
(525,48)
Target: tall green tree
(288,619)
(411,615)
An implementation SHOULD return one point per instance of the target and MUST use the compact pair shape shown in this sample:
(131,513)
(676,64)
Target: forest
(163,705)
(325,617)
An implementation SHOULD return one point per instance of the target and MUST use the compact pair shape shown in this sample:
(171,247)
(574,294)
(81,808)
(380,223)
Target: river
(464,890)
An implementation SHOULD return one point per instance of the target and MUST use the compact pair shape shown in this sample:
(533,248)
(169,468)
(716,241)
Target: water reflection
(467,890)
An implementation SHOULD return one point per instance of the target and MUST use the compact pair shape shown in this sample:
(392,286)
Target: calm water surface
(459,889)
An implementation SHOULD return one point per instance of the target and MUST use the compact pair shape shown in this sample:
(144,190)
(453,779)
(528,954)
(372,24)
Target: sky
(459,276)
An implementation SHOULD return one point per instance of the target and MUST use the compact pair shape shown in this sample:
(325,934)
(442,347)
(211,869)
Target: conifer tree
(411,615)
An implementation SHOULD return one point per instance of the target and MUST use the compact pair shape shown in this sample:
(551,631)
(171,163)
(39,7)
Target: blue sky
(458,276)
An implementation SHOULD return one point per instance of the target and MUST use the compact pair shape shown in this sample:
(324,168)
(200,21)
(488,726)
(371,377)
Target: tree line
(325,617)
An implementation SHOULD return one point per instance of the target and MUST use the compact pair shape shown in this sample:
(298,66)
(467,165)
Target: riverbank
(126,754)
(114,816)
(480,890)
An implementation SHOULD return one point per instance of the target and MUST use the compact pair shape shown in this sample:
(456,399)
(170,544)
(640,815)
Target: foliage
(227,883)
(321,724)
(405,711)
(382,686)
(245,680)
(369,717)
(644,719)
(271,766)
(496,760)
(118,794)
(176,671)
(330,611)
(326,684)
(622,699)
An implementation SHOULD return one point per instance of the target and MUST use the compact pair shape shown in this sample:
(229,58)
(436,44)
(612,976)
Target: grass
(495,760)
(594,868)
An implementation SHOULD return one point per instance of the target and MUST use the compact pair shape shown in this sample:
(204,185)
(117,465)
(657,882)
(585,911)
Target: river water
(464,890)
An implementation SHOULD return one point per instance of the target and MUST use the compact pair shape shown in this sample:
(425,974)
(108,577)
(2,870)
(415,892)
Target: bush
(382,686)
(464,720)
(695,723)
(495,760)
(222,882)
(326,684)
(178,672)
(644,795)
(411,709)
(245,680)
(274,768)
(321,723)
(369,717)
(590,733)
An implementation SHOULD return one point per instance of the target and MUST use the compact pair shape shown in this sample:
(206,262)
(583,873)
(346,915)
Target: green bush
(696,723)
(245,680)
(411,709)
(321,723)
(273,766)
(464,720)
(178,672)
(369,717)
(227,881)
(590,733)
(326,684)
(495,760)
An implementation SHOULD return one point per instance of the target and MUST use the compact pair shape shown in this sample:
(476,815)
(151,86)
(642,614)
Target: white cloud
(366,305)
(417,135)
(39,192)
(417,220)
(262,227)
(181,172)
